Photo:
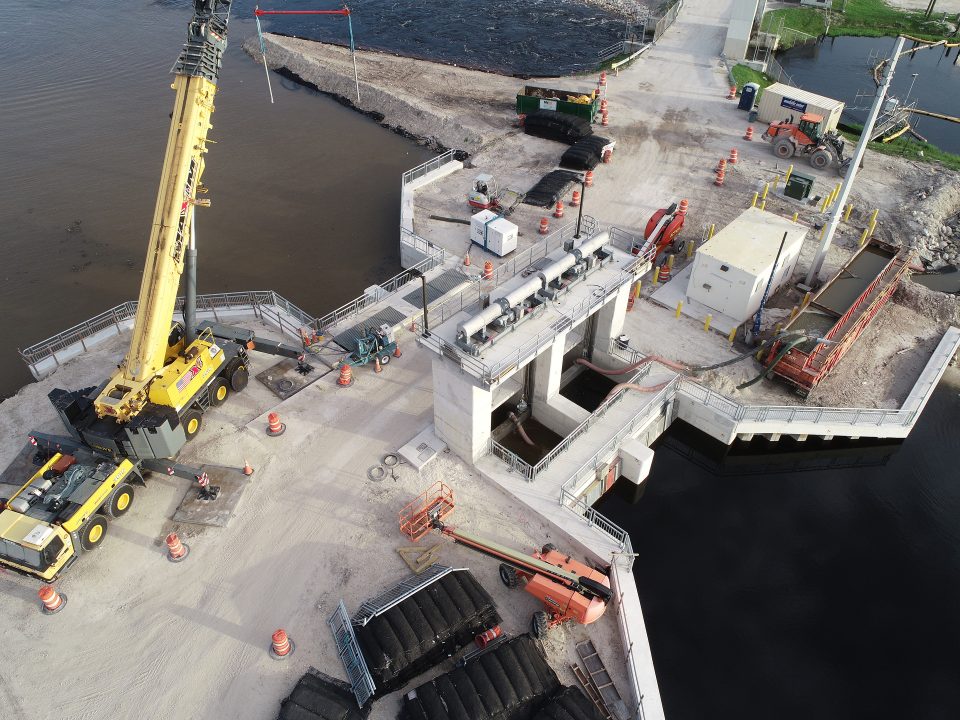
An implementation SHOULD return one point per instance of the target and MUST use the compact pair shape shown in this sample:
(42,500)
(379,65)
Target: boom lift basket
(418,517)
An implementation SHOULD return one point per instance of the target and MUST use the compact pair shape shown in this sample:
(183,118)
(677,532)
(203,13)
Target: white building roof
(751,241)
(795,93)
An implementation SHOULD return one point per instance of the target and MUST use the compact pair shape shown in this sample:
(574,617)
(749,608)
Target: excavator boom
(196,73)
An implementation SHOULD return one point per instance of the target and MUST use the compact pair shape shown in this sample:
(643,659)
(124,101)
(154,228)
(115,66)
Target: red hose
(679,367)
(523,433)
(640,388)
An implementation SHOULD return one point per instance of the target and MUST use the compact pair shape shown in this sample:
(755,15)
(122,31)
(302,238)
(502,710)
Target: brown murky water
(305,193)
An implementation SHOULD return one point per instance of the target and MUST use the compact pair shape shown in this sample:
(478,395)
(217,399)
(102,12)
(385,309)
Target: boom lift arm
(196,73)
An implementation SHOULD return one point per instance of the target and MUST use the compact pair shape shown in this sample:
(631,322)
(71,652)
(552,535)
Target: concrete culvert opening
(507,683)
(425,629)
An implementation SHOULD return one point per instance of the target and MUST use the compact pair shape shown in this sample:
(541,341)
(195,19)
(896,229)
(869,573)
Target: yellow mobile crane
(154,402)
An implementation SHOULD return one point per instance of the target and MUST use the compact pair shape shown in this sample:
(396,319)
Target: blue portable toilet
(748,96)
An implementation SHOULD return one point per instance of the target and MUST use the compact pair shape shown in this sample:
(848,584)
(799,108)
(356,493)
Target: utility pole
(837,211)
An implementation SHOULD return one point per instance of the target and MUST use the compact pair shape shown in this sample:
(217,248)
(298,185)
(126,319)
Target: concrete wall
(740,28)
(461,410)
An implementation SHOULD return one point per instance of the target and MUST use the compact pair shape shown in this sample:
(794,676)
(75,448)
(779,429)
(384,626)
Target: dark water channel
(841,67)
(793,581)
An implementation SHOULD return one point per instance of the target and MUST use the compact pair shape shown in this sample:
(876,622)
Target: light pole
(583,194)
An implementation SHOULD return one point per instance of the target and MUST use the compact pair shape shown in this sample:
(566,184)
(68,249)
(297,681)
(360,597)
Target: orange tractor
(568,589)
(805,138)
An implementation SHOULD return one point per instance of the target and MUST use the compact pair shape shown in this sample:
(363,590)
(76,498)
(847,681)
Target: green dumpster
(572,102)
(798,186)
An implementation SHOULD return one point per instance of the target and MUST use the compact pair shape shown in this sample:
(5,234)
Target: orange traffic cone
(53,602)
(466,260)
(558,210)
(544,226)
(588,178)
(487,270)
(733,92)
(247,468)
(176,550)
(749,134)
(575,200)
(346,376)
(275,428)
(281,645)
(684,204)
(734,156)
(376,365)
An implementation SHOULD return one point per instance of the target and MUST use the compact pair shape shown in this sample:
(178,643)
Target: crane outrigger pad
(286,378)
(196,511)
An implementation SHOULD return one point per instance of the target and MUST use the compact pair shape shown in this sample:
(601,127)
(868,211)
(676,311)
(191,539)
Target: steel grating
(349,651)
(347,339)
(436,288)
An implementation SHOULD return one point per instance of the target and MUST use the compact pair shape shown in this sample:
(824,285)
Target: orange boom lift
(568,589)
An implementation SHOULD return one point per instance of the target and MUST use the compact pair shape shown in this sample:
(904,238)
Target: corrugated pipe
(679,367)
(640,388)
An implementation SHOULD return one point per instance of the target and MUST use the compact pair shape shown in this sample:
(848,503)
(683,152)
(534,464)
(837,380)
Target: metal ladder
(398,593)
(349,651)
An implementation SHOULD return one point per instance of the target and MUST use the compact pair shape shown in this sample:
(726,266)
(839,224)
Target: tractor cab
(809,125)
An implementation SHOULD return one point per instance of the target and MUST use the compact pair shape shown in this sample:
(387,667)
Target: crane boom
(196,73)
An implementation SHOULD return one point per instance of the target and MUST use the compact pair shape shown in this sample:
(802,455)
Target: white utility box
(494,233)
(731,270)
(780,102)
(636,460)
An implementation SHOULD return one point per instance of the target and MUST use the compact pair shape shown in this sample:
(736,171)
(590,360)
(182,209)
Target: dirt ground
(145,638)
(672,123)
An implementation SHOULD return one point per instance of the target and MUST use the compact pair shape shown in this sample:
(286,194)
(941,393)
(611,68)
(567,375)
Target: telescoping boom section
(568,589)
(195,84)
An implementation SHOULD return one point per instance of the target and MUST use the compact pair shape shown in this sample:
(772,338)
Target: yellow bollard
(710,234)
(873,216)
(766,189)
(689,250)
(823,205)
(870,228)
(795,216)
(793,313)
(776,182)
(786,178)
(732,336)
(670,261)
(754,203)
(846,214)
(763,205)
(636,294)
(706,323)
(656,275)
(777,328)
(759,354)
(863,236)
(679,308)
(806,299)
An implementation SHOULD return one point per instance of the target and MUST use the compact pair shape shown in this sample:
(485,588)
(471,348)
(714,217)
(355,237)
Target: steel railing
(427,167)
(530,472)
(641,417)
(606,526)
(610,52)
(261,302)
(666,20)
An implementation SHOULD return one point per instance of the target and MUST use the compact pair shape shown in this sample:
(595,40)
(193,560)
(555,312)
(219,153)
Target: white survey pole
(836,211)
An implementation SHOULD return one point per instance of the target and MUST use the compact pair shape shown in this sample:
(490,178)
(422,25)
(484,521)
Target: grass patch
(910,148)
(865,18)
(743,74)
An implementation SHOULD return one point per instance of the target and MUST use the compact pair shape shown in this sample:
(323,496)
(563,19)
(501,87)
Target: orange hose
(679,367)
(633,386)
(523,433)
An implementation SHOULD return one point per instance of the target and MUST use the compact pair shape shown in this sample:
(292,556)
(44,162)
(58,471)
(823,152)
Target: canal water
(768,593)
(788,580)
(841,68)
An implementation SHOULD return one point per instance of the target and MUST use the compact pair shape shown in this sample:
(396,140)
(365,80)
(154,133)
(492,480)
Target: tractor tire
(192,421)
(549,547)
(821,159)
(93,533)
(508,575)
(540,624)
(238,376)
(784,149)
(385,359)
(119,501)
(219,391)
(679,247)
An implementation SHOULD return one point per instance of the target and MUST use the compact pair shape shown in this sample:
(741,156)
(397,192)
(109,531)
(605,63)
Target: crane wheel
(219,391)
(783,148)
(239,377)
(821,159)
(120,501)
(509,576)
(540,624)
(192,421)
(93,533)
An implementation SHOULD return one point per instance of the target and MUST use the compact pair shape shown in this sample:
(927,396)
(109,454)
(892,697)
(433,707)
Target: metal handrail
(427,167)
(641,416)
(596,519)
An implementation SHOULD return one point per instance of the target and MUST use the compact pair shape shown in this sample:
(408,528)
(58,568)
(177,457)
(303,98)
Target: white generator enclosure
(731,270)
(493,233)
